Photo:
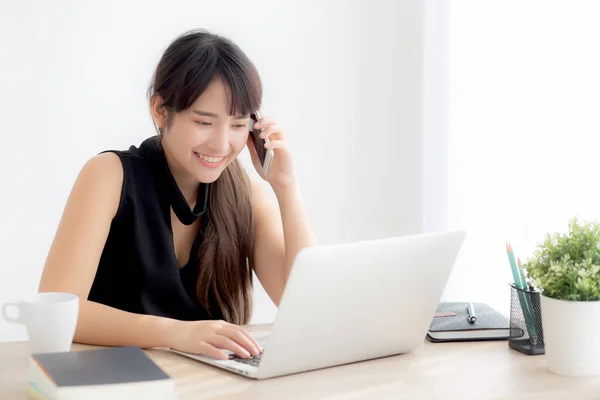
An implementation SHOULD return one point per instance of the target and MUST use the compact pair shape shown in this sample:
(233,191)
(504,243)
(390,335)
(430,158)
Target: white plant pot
(571,336)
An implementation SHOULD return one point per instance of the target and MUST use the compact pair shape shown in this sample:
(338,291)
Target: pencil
(519,269)
(523,278)
(513,266)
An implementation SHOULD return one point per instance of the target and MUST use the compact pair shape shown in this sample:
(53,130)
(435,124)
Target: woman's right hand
(208,337)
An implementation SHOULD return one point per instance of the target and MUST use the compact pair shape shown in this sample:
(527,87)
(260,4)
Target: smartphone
(264,156)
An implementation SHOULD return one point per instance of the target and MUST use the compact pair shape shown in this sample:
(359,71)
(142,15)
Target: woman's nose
(219,142)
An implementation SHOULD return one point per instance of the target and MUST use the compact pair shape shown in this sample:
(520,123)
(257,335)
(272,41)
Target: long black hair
(226,259)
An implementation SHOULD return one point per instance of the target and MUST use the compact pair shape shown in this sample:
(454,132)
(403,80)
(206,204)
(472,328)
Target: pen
(471,313)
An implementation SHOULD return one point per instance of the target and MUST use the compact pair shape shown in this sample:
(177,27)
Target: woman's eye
(240,126)
(204,123)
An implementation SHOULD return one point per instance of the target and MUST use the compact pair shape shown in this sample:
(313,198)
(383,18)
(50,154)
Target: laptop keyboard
(253,360)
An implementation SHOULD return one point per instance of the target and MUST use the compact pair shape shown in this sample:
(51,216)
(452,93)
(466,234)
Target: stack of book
(108,373)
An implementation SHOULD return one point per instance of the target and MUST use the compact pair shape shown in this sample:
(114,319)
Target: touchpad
(261,338)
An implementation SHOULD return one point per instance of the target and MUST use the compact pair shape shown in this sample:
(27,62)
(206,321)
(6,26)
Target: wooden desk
(471,370)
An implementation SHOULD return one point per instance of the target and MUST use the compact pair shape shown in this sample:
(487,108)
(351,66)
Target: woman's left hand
(282,171)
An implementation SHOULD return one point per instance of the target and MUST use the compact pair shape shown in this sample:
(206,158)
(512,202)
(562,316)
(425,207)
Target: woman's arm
(282,227)
(297,231)
(73,260)
(282,230)
(79,240)
(75,252)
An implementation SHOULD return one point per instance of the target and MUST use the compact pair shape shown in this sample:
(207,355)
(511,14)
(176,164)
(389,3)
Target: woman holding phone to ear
(159,241)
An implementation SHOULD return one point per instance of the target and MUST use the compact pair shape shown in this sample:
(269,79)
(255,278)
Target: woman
(160,241)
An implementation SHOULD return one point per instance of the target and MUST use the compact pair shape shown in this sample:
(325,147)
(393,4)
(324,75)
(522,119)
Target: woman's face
(203,140)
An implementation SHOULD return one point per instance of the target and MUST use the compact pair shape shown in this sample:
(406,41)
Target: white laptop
(351,302)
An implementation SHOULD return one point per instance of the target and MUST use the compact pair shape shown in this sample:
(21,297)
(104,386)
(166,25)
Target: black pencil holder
(526,331)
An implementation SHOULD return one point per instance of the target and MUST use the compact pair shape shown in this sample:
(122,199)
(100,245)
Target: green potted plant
(566,268)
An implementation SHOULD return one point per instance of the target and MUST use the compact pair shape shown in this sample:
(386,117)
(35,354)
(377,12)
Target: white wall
(343,77)
(523,143)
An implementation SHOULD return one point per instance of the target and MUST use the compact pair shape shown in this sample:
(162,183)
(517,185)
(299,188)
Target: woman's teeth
(210,159)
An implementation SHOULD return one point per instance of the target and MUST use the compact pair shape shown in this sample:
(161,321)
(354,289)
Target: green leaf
(567,266)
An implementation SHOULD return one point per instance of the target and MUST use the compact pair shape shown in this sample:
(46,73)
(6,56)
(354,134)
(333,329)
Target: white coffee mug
(50,319)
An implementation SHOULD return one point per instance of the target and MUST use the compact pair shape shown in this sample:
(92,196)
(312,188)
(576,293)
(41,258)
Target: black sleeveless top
(138,270)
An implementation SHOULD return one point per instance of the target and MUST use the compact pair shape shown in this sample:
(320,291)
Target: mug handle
(7,317)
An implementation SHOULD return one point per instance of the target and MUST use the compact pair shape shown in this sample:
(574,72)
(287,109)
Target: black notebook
(450,323)
(109,373)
